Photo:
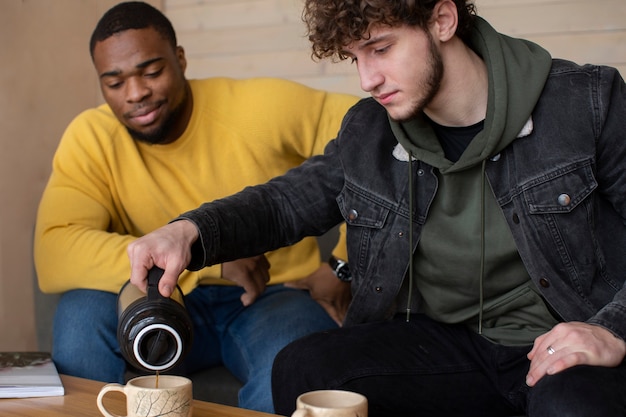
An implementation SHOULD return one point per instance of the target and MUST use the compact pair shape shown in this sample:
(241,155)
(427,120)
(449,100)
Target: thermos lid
(158,347)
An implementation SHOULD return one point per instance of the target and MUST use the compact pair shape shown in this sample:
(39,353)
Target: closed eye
(153,74)
(113,83)
(382,50)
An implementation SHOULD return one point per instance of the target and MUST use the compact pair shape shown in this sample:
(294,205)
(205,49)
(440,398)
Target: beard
(161,134)
(430,86)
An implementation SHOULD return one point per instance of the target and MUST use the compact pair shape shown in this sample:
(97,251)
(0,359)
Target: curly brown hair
(333,24)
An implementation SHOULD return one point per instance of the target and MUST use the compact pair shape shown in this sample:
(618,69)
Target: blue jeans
(244,339)
(423,368)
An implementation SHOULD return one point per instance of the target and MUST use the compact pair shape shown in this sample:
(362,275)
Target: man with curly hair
(483,186)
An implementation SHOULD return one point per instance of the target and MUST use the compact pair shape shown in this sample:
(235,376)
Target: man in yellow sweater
(162,145)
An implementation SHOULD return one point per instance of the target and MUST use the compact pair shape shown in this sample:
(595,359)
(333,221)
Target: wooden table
(80,400)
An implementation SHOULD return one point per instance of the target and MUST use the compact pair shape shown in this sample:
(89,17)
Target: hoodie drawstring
(482,249)
(410,292)
(481,295)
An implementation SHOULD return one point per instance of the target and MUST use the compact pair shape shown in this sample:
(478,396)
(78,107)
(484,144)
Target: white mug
(172,398)
(331,403)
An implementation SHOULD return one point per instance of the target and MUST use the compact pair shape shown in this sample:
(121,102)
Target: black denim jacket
(562,190)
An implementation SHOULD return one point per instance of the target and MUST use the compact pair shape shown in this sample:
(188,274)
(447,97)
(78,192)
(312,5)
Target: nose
(136,90)
(370,77)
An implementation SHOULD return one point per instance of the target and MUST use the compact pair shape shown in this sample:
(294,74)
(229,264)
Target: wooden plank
(554,17)
(481,4)
(243,40)
(341,84)
(608,48)
(247,38)
(243,14)
(269,64)
(174,4)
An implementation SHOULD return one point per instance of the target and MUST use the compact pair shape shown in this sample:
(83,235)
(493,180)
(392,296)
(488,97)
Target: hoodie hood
(517,71)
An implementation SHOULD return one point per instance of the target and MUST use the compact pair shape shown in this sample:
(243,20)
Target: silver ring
(550,350)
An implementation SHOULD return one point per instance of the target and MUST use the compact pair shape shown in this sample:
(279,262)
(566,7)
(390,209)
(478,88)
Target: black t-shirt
(454,140)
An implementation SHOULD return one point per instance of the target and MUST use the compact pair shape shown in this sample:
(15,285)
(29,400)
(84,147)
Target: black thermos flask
(154,332)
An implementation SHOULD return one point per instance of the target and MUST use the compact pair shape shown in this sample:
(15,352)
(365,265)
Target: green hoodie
(466,266)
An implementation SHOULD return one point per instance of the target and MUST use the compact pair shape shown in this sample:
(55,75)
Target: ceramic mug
(331,403)
(172,398)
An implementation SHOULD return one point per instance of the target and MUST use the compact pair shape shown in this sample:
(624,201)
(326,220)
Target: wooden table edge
(80,399)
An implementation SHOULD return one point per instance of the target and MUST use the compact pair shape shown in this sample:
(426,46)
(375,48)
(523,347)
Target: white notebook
(28,374)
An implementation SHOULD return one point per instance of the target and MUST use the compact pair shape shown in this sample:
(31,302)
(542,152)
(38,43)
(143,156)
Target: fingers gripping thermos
(154,332)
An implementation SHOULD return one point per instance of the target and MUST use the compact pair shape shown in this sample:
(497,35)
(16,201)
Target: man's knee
(580,391)
(84,336)
(298,368)
(85,311)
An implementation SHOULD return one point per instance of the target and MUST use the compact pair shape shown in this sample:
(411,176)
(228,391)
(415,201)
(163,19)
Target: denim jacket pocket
(365,216)
(560,208)
(362,210)
(560,190)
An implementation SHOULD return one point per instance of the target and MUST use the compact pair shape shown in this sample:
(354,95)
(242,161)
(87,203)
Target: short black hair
(132,15)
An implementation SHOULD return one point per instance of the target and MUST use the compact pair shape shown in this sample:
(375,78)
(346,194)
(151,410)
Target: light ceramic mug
(331,403)
(172,398)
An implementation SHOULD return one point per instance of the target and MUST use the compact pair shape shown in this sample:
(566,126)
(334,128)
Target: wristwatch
(340,269)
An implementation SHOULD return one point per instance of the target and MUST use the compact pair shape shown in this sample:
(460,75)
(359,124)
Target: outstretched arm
(169,248)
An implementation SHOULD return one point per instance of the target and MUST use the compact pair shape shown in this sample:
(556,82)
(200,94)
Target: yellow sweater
(106,189)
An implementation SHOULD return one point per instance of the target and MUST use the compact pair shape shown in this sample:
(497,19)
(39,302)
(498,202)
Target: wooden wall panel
(46,78)
(247,38)
(578,30)
(250,38)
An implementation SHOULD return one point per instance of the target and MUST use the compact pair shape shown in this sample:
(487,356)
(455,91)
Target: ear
(182,61)
(445,19)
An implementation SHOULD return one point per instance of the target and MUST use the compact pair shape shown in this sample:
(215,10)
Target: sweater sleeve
(82,229)
(73,240)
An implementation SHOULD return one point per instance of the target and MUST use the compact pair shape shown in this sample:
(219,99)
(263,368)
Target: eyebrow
(377,39)
(141,65)
(368,42)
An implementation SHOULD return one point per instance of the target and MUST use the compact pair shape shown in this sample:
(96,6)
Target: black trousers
(424,368)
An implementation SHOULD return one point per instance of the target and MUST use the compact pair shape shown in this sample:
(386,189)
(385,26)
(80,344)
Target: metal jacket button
(544,283)
(352,215)
(564,199)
